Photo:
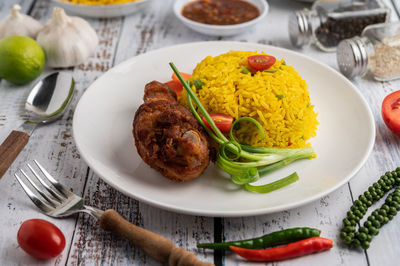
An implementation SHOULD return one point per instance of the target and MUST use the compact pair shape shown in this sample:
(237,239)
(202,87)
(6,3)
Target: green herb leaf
(244,70)
(283,63)
(198,84)
(280,96)
(270,70)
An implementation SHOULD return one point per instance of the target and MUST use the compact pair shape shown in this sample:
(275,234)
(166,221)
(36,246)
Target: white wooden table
(120,39)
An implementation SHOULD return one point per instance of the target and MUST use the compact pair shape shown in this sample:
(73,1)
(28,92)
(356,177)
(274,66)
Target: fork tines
(57,192)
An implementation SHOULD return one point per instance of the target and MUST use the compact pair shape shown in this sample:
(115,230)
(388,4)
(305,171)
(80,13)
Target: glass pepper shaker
(331,21)
(377,51)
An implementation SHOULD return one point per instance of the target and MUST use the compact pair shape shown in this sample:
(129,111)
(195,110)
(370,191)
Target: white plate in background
(103,11)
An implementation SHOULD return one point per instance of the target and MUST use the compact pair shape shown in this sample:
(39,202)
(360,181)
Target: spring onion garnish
(270,70)
(274,185)
(245,164)
(244,70)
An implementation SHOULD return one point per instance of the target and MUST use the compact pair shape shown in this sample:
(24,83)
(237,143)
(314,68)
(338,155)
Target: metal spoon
(45,103)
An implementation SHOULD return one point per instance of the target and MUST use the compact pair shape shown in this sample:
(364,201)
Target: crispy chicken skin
(168,137)
(157,90)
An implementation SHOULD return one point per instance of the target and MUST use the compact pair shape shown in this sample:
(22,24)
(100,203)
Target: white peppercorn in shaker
(329,22)
(376,51)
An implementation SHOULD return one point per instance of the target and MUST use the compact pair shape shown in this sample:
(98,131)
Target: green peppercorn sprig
(378,217)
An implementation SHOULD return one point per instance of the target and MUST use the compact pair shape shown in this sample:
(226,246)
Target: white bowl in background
(220,30)
(103,11)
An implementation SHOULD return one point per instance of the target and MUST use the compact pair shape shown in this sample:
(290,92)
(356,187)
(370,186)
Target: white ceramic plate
(102,129)
(103,11)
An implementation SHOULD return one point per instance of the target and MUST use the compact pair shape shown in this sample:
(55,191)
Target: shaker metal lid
(300,30)
(352,57)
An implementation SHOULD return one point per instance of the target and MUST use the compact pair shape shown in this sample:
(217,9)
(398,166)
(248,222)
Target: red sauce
(220,12)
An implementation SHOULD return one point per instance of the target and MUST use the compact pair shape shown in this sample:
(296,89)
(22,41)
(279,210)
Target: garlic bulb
(19,24)
(67,41)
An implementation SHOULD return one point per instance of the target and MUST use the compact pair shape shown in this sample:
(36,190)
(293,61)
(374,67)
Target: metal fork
(57,201)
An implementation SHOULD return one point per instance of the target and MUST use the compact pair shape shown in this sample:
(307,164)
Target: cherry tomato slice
(222,121)
(185,76)
(391,112)
(176,86)
(261,62)
(40,239)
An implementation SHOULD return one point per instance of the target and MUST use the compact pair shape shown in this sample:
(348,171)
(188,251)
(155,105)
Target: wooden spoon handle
(154,245)
(10,148)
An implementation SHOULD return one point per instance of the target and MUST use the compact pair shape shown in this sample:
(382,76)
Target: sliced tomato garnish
(176,86)
(391,112)
(185,76)
(222,121)
(261,62)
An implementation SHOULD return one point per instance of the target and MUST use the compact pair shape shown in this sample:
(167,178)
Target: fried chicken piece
(157,90)
(168,137)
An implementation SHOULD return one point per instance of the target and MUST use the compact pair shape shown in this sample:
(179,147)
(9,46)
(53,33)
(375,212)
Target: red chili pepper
(295,249)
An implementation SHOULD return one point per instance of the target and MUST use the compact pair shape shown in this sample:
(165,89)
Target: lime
(21,59)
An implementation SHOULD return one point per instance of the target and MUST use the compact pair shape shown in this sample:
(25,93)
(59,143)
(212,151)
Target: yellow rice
(279,101)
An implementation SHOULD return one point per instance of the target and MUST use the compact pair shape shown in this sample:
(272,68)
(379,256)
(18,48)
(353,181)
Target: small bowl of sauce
(220,17)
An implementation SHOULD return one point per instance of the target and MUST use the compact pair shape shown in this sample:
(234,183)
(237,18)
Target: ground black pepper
(332,31)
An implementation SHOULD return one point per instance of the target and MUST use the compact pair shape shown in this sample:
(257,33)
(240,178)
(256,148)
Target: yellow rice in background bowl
(279,101)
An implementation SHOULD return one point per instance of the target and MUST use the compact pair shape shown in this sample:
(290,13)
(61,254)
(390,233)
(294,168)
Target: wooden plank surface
(327,214)
(53,145)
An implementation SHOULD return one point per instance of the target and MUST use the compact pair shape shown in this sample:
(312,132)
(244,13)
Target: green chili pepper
(273,239)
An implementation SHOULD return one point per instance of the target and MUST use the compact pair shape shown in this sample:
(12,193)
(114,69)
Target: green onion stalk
(254,161)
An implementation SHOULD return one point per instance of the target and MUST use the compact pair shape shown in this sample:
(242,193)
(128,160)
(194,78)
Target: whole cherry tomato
(40,239)
(391,112)
(261,62)
(222,121)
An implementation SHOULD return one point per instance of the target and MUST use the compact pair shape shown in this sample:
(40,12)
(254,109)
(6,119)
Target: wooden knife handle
(10,148)
(154,245)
